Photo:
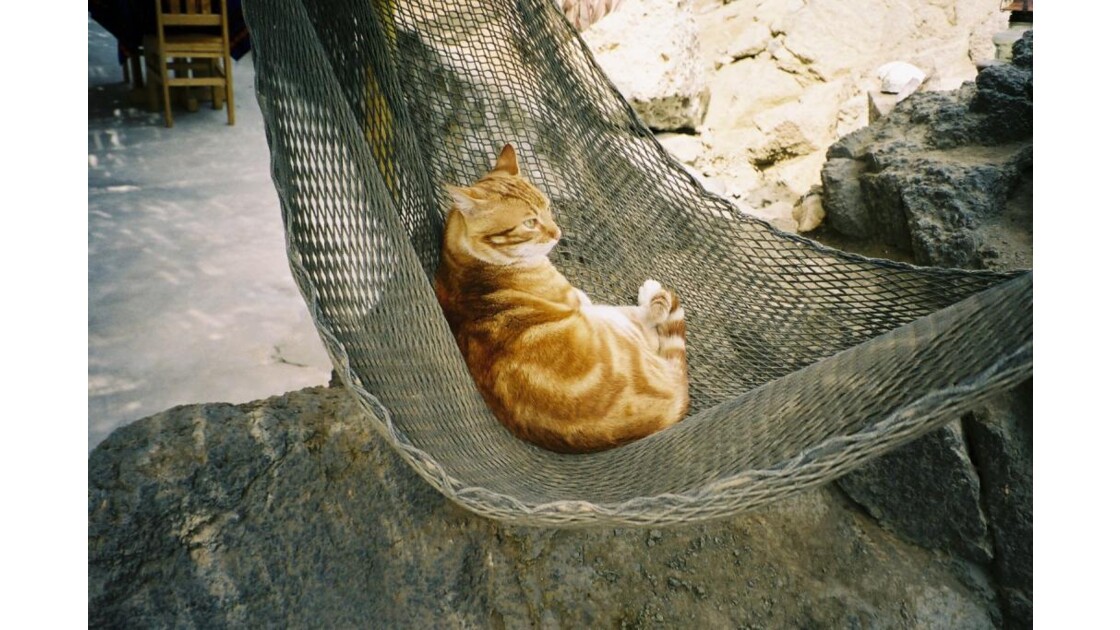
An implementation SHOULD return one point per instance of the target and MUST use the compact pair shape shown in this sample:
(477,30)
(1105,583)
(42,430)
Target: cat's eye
(529,223)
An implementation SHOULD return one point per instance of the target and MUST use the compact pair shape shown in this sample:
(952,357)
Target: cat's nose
(556,233)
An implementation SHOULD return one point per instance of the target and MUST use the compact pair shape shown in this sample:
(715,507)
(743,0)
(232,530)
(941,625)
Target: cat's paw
(646,292)
(656,301)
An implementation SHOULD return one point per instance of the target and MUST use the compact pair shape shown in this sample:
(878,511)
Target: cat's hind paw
(656,301)
(646,292)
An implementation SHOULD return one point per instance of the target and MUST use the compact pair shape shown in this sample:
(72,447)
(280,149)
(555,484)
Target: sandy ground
(190,296)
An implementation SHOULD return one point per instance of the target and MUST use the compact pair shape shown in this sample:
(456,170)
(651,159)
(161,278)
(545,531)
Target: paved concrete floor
(190,296)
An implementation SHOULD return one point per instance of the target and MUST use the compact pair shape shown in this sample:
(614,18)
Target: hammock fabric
(805,362)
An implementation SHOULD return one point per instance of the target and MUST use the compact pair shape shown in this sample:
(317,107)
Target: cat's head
(507,219)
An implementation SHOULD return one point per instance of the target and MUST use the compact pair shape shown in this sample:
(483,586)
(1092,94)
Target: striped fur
(557,370)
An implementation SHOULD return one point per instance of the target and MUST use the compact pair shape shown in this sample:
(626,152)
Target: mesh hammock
(804,361)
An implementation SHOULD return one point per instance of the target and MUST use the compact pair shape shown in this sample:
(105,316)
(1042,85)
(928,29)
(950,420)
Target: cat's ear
(466,200)
(507,161)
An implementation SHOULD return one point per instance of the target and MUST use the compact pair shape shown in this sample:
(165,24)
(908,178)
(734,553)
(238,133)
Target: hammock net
(804,361)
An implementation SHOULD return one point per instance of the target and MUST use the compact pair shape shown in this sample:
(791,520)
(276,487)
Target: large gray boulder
(966,490)
(1001,434)
(293,512)
(1005,94)
(929,491)
(946,176)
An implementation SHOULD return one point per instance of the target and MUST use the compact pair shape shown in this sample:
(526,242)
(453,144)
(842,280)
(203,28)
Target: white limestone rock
(809,212)
(798,176)
(778,214)
(800,127)
(899,77)
(650,50)
(686,148)
(788,78)
(720,26)
(753,40)
(743,89)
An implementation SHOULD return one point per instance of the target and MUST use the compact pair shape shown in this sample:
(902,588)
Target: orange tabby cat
(557,370)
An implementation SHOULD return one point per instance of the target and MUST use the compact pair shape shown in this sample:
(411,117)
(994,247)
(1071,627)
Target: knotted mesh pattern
(804,361)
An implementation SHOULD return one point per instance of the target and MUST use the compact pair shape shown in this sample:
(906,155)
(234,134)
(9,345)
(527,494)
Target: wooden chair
(191,37)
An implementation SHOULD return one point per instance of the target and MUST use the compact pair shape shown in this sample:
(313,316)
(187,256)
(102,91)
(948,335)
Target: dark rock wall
(1001,440)
(293,512)
(947,177)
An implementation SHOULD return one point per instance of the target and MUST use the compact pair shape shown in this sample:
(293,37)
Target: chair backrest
(190,12)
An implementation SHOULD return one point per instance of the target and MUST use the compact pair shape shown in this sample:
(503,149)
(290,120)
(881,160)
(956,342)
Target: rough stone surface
(950,182)
(1022,51)
(947,177)
(1005,93)
(928,491)
(843,197)
(809,212)
(787,78)
(687,149)
(978,474)
(966,489)
(649,49)
(292,512)
(1001,435)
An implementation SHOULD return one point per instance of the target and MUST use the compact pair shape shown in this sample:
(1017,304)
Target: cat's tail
(666,311)
(672,331)
(671,347)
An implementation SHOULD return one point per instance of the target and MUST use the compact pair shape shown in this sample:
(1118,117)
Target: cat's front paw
(656,301)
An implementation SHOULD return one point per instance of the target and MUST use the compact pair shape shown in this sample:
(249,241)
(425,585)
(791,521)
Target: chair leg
(229,88)
(185,70)
(217,94)
(163,75)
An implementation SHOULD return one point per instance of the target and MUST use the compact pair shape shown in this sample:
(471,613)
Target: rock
(650,51)
(769,54)
(1022,51)
(843,197)
(879,105)
(293,512)
(946,176)
(798,128)
(809,212)
(584,13)
(975,227)
(778,214)
(733,18)
(897,76)
(929,492)
(751,41)
(949,177)
(1001,436)
(712,185)
(796,177)
(737,94)
(1005,93)
(834,39)
(966,489)
(1005,40)
(987,24)
(686,148)
(853,114)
